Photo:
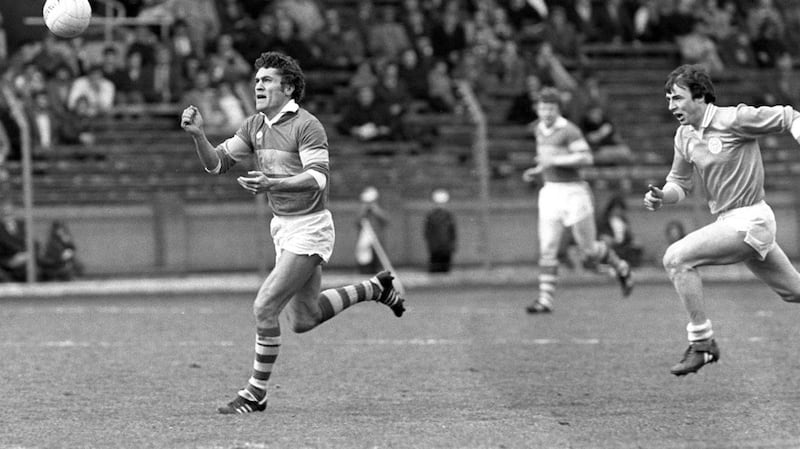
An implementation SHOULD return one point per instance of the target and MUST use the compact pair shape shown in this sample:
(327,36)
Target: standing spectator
(168,82)
(440,233)
(393,90)
(371,211)
(203,96)
(607,145)
(59,260)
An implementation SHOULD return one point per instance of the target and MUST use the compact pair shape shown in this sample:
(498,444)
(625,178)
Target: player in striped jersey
(720,145)
(289,148)
(565,199)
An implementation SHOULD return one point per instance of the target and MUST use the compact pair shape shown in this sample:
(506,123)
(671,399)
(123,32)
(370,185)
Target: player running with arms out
(289,147)
(720,144)
(565,199)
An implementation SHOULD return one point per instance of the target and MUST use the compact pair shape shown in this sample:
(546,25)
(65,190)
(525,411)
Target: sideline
(248,282)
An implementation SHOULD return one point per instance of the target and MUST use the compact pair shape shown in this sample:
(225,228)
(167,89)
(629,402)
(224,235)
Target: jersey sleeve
(236,148)
(682,170)
(576,142)
(313,147)
(753,121)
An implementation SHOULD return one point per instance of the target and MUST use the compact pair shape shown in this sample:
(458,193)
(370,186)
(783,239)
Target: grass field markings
(111,310)
(106,344)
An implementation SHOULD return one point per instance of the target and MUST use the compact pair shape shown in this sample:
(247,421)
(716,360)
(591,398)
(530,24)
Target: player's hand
(530,174)
(654,198)
(256,182)
(191,120)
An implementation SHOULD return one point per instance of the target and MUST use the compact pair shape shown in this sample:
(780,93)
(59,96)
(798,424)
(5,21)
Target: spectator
(306,14)
(144,43)
(441,88)
(414,73)
(59,261)
(231,107)
(563,36)
(342,48)
(52,54)
(696,47)
(527,19)
(168,82)
(392,90)
(371,211)
(613,21)
(206,98)
(98,90)
(387,37)
(415,23)
(522,110)
(768,45)
(677,19)
(783,87)
(181,45)
(765,14)
(227,64)
(440,233)
(647,22)
(367,118)
(136,80)
(607,146)
(449,37)
(737,50)
(14,253)
(43,120)
(615,229)
(287,41)
(549,68)
(235,21)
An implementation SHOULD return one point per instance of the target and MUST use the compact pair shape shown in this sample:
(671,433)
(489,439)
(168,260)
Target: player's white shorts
(758,224)
(565,202)
(304,234)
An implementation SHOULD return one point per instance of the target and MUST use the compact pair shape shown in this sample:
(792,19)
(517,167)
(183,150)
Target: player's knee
(264,310)
(673,262)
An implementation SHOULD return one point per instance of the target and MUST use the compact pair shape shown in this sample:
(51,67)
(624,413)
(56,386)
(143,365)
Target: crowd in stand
(403,55)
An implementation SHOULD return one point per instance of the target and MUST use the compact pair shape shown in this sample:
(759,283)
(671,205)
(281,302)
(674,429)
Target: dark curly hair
(695,78)
(290,71)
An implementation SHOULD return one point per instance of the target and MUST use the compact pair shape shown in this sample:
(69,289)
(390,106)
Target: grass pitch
(462,369)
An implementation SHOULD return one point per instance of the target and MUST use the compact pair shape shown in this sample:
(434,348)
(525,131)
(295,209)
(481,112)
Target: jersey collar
(707,116)
(290,106)
(559,123)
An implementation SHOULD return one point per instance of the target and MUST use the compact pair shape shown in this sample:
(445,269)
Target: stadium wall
(172,237)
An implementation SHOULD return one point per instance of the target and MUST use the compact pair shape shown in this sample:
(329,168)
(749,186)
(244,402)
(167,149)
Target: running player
(720,145)
(289,147)
(565,199)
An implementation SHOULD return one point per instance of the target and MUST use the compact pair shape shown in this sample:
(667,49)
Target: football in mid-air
(67,18)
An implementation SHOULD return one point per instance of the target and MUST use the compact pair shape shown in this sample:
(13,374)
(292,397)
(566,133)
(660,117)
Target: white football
(67,18)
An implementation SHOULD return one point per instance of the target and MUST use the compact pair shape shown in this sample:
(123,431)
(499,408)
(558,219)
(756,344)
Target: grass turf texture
(462,369)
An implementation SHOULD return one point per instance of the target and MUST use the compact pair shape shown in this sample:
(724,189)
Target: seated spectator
(76,126)
(696,47)
(522,110)
(387,37)
(615,229)
(286,40)
(58,260)
(367,118)
(168,81)
(441,88)
(392,90)
(414,73)
(14,253)
(449,36)
(43,120)
(98,90)
(768,45)
(563,36)
(306,14)
(342,48)
(206,98)
(549,68)
(736,50)
(227,64)
(613,21)
(606,144)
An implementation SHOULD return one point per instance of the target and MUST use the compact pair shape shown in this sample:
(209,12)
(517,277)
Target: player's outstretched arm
(192,122)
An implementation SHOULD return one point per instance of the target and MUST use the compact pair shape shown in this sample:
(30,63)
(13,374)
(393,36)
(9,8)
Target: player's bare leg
(585,234)
(715,244)
(777,271)
(292,273)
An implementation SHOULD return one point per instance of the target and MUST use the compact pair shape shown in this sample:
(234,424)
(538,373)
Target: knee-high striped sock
(607,255)
(268,343)
(335,300)
(548,277)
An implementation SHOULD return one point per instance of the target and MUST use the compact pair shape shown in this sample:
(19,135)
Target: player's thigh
(305,303)
(550,232)
(290,275)
(777,271)
(717,243)
(585,233)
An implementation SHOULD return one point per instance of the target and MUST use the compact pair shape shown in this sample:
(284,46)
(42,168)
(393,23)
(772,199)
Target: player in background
(289,148)
(720,145)
(565,199)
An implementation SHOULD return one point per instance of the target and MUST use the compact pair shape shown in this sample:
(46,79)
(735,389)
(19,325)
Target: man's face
(687,110)
(547,112)
(270,95)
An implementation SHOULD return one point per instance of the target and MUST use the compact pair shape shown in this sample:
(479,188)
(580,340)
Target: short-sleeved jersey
(564,137)
(297,142)
(725,153)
